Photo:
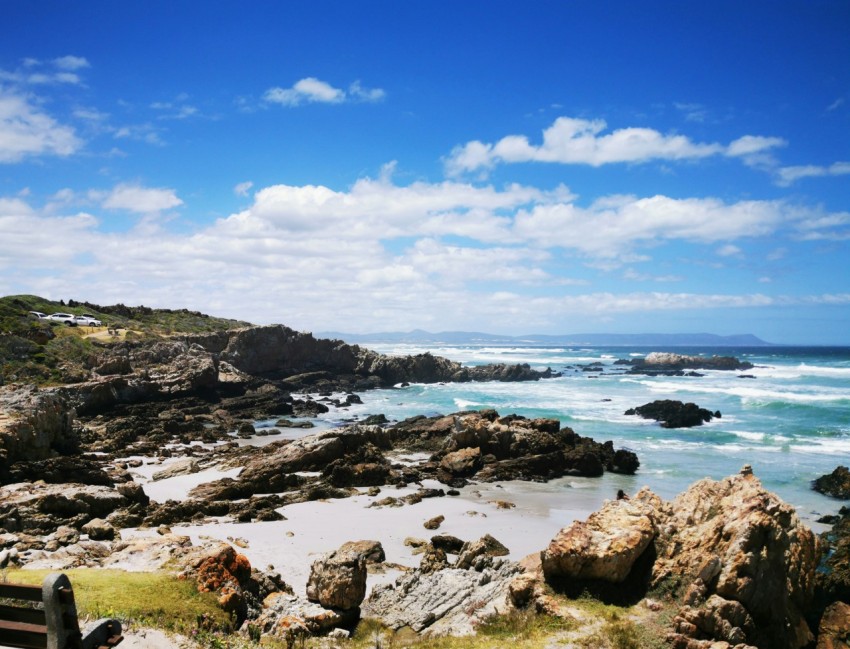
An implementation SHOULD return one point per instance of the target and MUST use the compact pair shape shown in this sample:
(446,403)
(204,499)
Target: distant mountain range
(419,336)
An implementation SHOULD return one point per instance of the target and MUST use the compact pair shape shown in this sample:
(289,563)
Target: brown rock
(606,546)
(371,551)
(338,580)
(99,530)
(753,549)
(834,630)
(472,553)
(464,462)
(434,523)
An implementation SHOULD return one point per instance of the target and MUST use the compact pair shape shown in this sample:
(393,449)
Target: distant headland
(418,336)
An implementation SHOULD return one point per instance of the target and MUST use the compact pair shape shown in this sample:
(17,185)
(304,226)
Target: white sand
(314,528)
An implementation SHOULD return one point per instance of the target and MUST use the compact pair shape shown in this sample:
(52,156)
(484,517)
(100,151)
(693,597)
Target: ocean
(790,421)
(788,417)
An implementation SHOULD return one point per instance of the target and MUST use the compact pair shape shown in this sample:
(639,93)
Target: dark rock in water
(674,414)
(623,462)
(375,420)
(668,364)
(835,484)
(491,448)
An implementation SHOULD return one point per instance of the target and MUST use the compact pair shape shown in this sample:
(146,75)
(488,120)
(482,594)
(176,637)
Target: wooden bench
(54,624)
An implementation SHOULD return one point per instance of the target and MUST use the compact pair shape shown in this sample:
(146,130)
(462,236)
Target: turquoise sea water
(791,422)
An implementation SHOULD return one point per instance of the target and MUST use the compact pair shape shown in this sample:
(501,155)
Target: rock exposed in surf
(516,448)
(666,363)
(674,414)
(835,484)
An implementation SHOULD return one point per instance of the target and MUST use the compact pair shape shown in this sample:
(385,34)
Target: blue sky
(546,167)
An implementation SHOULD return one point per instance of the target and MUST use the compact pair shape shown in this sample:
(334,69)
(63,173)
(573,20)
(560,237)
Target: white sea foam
(757,437)
(749,392)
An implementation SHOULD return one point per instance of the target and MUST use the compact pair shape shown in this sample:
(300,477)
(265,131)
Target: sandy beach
(524,516)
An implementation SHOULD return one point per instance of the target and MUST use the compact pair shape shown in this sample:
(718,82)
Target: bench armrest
(103,633)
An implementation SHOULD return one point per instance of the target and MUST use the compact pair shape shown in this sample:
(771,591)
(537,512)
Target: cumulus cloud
(608,228)
(25,130)
(312,90)
(572,140)
(383,256)
(142,200)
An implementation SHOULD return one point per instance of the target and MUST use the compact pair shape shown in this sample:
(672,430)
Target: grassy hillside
(42,352)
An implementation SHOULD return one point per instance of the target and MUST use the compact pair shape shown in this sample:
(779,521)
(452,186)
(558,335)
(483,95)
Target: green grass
(162,601)
(150,599)
(38,352)
(518,629)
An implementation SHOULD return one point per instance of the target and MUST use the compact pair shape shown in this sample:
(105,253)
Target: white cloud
(789,175)
(90,114)
(312,90)
(44,78)
(749,145)
(71,62)
(693,112)
(610,227)
(242,189)
(308,90)
(369,95)
(27,131)
(632,275)
(147,133)
(142,200)
(729,250)
(178,110)
(579,141)
(386,256)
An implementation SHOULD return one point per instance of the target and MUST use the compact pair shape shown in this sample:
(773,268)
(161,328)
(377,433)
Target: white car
(67,318)
(39,315)
(88,320)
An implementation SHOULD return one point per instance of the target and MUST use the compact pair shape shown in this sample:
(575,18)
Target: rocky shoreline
(734,562)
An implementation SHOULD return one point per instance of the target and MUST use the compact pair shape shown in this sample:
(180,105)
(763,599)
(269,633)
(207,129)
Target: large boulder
(735,539)
(338,579)
(739,558)
(607,544)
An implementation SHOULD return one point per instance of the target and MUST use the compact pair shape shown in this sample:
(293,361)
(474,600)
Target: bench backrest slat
(19,614)
(21,591)
(27,636)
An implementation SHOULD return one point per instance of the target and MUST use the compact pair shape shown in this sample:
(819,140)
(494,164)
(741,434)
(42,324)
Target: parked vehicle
(39,315)
(88,320)
(66,318)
